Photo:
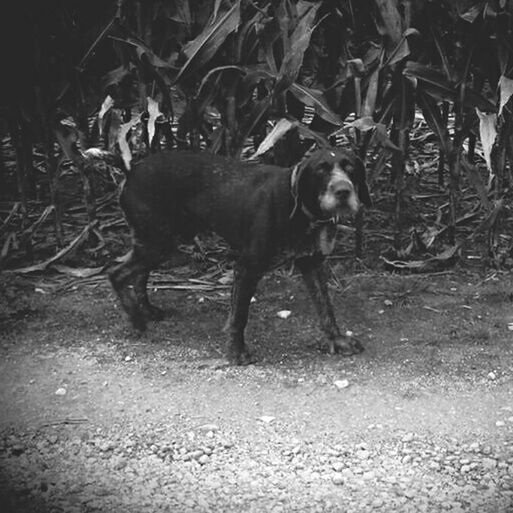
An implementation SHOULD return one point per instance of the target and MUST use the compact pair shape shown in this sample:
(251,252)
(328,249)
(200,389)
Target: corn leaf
(506,90)
(201,49)
(316,99)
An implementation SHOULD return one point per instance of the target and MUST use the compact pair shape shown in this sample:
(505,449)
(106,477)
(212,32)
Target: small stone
(267,419)
(377,503)
(464,469)
(17,450)
(489,463)
(407,459)
(338,466)
(209,427)
(196,455)
(128,358)
(492,375)
(500,423)
(337,478)
(433,465)
(341,383)
(203,459)
(60,391)
(408,437)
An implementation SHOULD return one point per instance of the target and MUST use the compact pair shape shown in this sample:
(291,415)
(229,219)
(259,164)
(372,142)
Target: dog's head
(331,183)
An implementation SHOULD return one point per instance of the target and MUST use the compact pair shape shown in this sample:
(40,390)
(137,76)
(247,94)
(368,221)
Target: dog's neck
(300,206)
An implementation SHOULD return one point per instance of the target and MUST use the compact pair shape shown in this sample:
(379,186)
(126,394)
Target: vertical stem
(16,131)
(441,154)
(400,133)
(360,216)
(454,165)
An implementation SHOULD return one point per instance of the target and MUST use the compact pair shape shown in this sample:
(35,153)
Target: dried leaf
(506,90)
(435,263)
(124,148)
(487,134)
(154,113)
(73,245)
(107,104)
(78,272)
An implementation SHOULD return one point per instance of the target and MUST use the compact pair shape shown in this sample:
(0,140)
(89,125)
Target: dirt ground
(96,419)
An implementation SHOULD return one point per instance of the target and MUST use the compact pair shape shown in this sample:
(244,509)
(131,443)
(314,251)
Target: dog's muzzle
(339,196)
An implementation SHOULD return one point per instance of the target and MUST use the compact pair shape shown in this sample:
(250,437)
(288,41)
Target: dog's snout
(342,194)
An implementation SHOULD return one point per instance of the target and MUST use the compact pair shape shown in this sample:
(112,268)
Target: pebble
(338,466)
(385,476)
(377,503)
(489,463)
(337,478)
(341,383)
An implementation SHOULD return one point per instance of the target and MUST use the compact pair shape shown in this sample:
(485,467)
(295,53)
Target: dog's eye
(323,168)
(346,165)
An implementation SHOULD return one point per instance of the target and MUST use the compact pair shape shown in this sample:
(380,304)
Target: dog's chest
(318,239)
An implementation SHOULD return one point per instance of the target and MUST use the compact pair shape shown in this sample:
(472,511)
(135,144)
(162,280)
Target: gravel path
(74,470)
(93,421)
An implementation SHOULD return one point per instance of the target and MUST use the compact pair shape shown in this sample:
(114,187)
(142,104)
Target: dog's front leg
(244,285)
(314,274)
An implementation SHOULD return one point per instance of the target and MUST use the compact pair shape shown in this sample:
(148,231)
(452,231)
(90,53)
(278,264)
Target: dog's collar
(294,185)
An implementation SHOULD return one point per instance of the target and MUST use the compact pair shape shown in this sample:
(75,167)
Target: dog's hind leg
(129,280)
(315,278)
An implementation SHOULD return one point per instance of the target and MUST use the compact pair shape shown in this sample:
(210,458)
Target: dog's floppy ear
(361,183)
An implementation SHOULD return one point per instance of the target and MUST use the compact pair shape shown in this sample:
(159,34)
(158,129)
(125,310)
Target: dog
(263,212)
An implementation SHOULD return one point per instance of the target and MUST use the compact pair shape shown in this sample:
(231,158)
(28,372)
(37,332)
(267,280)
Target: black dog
(262,211)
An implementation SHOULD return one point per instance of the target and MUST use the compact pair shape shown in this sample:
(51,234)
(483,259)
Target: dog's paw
(345,346)
(138,322)
(241,358)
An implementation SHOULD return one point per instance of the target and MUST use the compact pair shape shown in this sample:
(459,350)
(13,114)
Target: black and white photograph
(256,256)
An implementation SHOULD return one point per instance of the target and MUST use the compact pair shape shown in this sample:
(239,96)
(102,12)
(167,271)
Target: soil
(97,419)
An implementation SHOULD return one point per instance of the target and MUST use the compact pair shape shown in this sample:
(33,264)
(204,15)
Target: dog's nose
(342,194)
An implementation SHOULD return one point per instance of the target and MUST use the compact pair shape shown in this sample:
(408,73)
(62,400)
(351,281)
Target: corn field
(266,80)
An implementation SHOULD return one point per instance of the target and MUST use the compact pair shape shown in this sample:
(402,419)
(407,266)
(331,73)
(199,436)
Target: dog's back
(185,192)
